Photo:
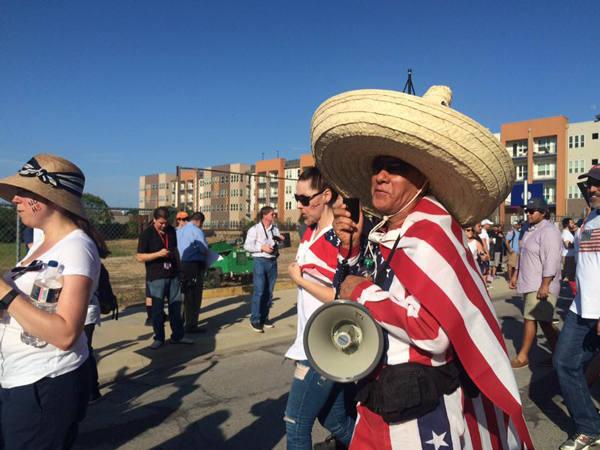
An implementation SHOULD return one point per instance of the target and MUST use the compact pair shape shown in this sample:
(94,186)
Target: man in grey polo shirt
(538,278)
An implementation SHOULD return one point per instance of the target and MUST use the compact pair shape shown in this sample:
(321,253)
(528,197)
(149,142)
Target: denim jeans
(576,346)
(265,275)
(312,396)
(159,289)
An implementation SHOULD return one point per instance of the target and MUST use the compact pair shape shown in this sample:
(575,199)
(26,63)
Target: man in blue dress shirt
(193,249)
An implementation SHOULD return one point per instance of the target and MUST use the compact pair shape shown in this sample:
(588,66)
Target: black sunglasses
(391,166)
(468,229)
(533,210)
(179,220)
(592,182)
(304,200)
(34,266)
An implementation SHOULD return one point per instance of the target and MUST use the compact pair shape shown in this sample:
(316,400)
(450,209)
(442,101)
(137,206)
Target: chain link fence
(121,228)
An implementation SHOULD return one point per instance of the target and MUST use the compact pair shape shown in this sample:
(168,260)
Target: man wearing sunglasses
(262,241)
(580,335)
(537,278)
(181,219)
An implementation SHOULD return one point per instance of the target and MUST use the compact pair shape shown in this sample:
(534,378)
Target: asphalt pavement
(234,380)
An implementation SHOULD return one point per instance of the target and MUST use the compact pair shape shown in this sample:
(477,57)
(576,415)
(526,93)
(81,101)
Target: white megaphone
(342,341)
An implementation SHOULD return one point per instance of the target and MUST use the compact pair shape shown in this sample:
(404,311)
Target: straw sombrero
(51,177)
(469,171)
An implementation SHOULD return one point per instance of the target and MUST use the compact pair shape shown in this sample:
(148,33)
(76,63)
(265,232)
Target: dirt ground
(127,276)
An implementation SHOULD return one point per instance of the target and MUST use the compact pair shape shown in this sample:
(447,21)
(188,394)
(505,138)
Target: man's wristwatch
(8,299)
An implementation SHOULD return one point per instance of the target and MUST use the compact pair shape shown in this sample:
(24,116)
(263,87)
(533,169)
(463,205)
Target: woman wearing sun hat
(44,391)
(427,170)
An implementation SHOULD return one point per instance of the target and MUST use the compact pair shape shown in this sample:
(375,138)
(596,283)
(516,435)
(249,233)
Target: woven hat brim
(69,202)
(469,171)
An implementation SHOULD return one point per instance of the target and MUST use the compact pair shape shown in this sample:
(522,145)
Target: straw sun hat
(51,177)
(469,171)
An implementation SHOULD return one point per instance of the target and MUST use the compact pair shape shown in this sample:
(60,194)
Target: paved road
(236,400)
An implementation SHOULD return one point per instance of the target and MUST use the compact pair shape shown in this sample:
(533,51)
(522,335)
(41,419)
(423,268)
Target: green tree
(97,210)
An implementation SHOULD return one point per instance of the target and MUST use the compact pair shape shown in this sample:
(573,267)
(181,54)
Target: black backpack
(106,296)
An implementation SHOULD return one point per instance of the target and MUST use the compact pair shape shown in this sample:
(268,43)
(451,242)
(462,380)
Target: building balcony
(537,156)
(551,177)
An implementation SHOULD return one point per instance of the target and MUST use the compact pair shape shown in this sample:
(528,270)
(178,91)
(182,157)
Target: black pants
(193,285)
(89,333)
(45,415)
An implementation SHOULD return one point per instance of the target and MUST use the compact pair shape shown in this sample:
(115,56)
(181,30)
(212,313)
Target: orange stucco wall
(539,128)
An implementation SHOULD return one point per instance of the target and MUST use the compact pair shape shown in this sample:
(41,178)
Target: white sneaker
(183,340)
(580,442)
(156,345)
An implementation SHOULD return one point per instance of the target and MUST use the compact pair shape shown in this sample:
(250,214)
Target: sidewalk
(121,346)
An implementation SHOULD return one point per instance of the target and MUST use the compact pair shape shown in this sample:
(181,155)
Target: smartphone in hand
(353,205)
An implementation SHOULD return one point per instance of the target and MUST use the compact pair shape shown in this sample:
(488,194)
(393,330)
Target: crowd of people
(445,378)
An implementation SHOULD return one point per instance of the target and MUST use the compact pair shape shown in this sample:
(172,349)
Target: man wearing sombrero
(445,379)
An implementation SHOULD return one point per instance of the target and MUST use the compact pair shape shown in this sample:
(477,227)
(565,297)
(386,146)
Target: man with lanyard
(157,248)
(580,334)
(262,241)
(193,250)
(386,148)
(512,244)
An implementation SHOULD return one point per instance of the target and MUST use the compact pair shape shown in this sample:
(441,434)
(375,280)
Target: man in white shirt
(263,241)
(485,239)
(580,335)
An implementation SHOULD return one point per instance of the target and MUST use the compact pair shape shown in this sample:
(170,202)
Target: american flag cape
(433,263)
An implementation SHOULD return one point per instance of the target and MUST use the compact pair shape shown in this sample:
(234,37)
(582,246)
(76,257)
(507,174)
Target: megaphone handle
(344,271)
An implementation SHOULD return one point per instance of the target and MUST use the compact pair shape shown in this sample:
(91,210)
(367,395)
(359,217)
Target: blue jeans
(312,396)
(159,289)
(265,275)
(46,414)
(577,344)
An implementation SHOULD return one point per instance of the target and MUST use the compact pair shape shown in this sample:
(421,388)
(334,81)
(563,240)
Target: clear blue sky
(127,88)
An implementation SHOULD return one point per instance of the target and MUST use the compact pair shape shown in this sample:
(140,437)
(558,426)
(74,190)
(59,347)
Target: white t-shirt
(317,256)
(93,312)
(22,364)
(587,254)
(484,236)
(567,236)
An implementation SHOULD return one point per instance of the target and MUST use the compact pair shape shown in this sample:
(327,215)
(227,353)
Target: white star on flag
(438,441)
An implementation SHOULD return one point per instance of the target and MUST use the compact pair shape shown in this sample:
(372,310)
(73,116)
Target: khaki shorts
(513,259)
(536,309)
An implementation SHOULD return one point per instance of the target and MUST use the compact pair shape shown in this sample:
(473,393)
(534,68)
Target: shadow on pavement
(262,434)
(543,387)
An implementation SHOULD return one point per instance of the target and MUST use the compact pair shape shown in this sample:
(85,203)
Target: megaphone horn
(342,341)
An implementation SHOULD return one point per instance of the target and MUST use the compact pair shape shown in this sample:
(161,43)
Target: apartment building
(229,194)
(583,151)
(539,152)
(157,190)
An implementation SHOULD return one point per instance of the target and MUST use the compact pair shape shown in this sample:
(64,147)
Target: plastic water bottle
(367,269)
(44,295)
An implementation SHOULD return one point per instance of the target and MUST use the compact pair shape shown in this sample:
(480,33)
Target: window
(570,191)
(543,170)
(594,135)
(570,166)
(519,148)
(545,146)
(522,172)
(576,167)
(582,140)
(576,141)
(582,165)
(594,162)
(570,141)
(549,194)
